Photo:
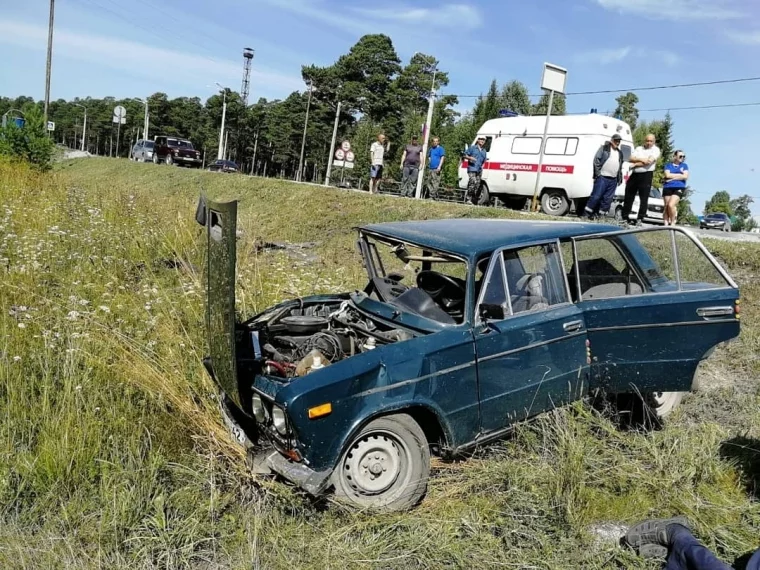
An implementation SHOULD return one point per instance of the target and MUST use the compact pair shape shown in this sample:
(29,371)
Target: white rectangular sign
(51,126)
(553,78)
(343,164)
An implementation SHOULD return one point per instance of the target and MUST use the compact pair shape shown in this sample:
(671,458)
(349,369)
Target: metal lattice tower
(245,89)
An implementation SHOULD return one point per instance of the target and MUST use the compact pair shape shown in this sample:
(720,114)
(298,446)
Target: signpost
(50,126)
(120,118)
(553,80)
(344,158)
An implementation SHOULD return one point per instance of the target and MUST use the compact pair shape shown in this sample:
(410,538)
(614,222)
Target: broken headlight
(258,408)
(279,420)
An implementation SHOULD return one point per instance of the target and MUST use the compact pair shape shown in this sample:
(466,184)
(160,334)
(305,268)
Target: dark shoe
(653,551)
(653,531)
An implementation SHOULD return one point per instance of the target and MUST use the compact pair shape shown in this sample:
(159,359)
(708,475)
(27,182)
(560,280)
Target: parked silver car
(142,151)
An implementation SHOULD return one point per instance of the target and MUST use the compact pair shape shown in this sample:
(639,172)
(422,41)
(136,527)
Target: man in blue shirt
(676,175)
(475,157)
(436,156)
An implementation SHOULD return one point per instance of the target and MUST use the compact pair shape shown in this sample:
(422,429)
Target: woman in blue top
(676,175)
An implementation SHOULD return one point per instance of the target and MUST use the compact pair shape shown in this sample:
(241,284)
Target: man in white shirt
(643,162)
(376,154)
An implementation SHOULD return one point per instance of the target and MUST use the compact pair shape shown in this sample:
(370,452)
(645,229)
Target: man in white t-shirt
(376,154)
(643,161)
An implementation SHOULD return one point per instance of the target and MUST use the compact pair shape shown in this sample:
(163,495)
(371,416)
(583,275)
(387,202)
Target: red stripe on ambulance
(523,167)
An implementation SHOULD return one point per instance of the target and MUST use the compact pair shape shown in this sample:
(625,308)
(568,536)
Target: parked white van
(513,145)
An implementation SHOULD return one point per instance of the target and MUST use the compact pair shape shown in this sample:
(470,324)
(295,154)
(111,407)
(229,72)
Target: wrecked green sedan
(465,327)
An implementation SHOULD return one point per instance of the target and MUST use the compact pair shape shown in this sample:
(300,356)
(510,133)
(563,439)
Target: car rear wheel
(386,466)
(554,202)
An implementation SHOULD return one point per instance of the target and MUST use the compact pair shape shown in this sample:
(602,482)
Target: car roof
(472,238)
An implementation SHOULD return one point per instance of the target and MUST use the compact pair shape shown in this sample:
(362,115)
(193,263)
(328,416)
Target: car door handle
(573,326)
(707,312)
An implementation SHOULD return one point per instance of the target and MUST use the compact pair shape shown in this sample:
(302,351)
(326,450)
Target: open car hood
(220,222)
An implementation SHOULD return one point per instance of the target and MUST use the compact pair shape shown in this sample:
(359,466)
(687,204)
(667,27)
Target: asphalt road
(727,236)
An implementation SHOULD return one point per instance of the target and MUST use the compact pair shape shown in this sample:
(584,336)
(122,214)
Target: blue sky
(111,47)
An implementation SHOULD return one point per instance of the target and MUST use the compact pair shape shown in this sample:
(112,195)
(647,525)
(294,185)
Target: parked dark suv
(173,150)
(717,221)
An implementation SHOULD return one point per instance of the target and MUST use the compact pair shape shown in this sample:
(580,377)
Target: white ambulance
(513,145)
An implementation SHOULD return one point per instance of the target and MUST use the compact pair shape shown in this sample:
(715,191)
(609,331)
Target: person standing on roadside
(476,158)
(608,174)
(644,161)
(436,156)
(410,167)
(676,175)
(376,154)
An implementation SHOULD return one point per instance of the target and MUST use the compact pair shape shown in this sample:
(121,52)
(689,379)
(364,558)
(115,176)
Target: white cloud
(603,56)
(445,16)
(142,59)
(677,10)
(744,38)
(609,56)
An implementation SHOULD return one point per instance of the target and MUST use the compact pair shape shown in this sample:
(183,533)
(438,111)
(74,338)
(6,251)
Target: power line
(694,107)
(634,89)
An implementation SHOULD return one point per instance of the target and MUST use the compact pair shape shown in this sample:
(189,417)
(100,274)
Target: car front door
(655,304)
(530,340)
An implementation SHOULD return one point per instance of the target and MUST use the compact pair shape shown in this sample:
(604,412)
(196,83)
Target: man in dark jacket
(608,174)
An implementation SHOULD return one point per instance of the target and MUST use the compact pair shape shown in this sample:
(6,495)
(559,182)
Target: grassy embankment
(112,454)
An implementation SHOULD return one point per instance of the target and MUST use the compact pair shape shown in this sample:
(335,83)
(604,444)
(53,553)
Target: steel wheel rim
(554,202)
(663,399)
(375,463)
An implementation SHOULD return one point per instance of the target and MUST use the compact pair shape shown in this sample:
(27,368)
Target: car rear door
(532,357)
(655,303)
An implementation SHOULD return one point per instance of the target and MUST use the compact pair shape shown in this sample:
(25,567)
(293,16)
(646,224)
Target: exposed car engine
(300,338)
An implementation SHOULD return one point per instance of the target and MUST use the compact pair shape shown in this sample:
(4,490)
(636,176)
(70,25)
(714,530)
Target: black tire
(485,196)
(169,160)
(619,214)
(554,202)
(394,443)
(156,160)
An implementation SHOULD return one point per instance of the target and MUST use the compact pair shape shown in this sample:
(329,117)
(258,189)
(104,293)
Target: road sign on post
(553,79)
(344,156)
(50,126)
(119,117)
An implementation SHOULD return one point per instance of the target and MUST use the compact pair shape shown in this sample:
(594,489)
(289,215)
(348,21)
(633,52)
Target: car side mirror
(489,312)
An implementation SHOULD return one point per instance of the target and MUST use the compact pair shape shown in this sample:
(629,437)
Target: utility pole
(332,145)
(428,125)
(84,124)
(220,152)
(226,142)
(303,139)
(49,61)
(255,148)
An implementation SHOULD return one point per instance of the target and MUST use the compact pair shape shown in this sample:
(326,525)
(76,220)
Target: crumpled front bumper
(266,460)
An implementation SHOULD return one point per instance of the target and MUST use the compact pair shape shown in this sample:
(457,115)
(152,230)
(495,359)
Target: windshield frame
(369,265)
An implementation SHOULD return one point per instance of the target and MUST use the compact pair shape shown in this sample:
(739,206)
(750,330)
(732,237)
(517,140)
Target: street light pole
(303,139)
(49,61)
(332,145)
(220,152)
(84,125)
(426,139)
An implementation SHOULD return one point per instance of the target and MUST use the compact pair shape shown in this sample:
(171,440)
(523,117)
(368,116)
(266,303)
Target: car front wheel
(386,466)
(169,159)
(662,404)
(155,158)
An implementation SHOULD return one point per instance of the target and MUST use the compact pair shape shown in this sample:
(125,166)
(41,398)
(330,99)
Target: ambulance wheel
(554,202)
(485,196)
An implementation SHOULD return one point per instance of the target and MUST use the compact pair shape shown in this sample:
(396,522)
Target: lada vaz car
(465,327)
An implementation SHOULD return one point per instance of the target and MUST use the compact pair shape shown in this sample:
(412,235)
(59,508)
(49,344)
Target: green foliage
(29,143)
(626,109)
(558,105)
(685,213)
(719,202)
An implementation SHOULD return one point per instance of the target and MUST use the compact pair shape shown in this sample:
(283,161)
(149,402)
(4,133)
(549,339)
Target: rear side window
(526,145)
(566,146)
(602,272)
